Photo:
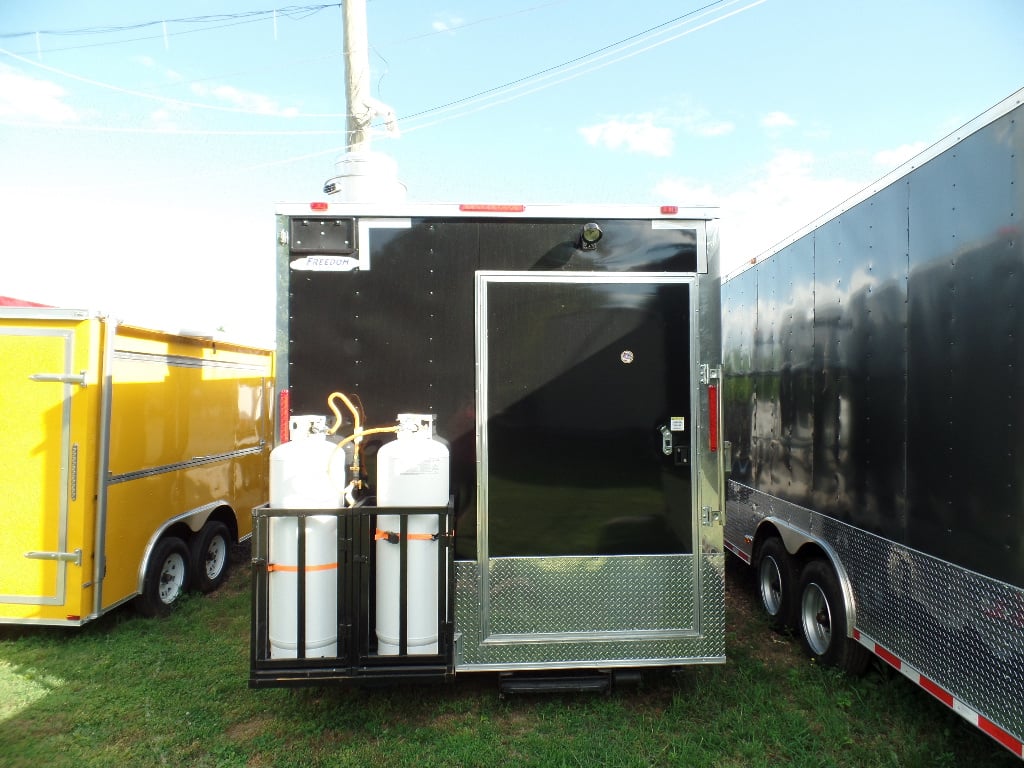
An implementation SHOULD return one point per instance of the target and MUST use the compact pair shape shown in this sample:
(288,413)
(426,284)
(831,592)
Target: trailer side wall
(875,376)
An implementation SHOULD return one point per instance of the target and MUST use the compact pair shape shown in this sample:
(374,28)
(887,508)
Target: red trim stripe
(1006,739)
(997,733)
(888,657)
(936,690)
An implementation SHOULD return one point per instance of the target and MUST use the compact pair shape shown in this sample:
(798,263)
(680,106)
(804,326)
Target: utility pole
(362,175)
(357,75)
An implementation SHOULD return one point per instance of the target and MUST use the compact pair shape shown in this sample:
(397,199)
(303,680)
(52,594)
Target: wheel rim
(172,578)
(816,617)
(216,555)
(771,586)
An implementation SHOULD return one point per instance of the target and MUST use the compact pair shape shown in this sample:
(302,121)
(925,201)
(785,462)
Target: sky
(145,145)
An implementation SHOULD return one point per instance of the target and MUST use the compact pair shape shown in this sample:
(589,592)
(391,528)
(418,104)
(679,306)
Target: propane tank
(305,473)
(412,471)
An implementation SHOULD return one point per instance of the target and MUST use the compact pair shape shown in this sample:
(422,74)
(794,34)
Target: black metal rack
(357,659)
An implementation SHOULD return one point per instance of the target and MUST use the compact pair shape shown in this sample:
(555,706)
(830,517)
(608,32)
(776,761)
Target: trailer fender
(798,543)
(193,520)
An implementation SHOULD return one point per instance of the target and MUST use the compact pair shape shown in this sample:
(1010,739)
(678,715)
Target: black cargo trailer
(569,358)
(873,406)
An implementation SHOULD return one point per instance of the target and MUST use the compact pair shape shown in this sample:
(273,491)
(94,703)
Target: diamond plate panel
(591,594)
(566,612)
(962,630)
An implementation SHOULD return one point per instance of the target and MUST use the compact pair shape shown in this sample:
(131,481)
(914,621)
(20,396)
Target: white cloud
(783,196)
(653,133)
(680,191)
(777,120)
(169,75)
(700,124)
(893,158)
(24,97)
(639,135)
(245,100)
(447,25)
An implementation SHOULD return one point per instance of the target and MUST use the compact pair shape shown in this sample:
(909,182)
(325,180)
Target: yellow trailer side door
(43,465)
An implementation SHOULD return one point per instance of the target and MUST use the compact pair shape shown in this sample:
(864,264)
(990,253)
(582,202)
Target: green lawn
(127,691)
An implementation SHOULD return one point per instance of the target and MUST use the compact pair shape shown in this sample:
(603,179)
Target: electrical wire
(585,62)
(290,11)
(165,35)
(586,59)
(615,52)
(156,97)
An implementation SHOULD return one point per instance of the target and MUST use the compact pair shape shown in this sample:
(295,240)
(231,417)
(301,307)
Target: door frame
(485,278)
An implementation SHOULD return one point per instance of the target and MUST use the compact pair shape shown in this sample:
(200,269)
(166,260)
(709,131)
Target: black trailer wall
(875,367)
(400,335)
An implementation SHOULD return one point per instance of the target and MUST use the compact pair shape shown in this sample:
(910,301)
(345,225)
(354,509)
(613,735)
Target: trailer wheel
(823,626)
(166,577)
(777,581)
(210,556)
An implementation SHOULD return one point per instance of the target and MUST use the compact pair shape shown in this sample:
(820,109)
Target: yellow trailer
(131,460)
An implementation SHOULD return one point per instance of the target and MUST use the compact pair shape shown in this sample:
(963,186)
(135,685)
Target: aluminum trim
(103,464)
(184,361)
(698,415)
(385,210)
(59,595)
(196,461)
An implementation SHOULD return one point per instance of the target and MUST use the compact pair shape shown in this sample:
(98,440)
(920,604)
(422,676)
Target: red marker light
(284,403)
(669,210)
(490,208)
(713,417)
(318,206)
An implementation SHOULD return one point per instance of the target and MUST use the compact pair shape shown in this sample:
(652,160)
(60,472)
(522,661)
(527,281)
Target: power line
(614,53)
(155,97)
(291,11)
(587,62)
(248,17)
(616,50)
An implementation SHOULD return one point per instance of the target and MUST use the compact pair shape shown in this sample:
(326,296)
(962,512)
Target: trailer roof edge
(955,137)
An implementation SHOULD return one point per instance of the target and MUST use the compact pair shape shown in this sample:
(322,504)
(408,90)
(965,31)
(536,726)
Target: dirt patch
(746,627)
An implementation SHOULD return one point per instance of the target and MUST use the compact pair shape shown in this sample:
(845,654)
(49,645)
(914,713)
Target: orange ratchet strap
(272,567)
(394,537)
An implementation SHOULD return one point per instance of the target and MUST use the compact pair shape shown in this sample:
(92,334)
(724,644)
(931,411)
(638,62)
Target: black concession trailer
(873,403)
(567,360)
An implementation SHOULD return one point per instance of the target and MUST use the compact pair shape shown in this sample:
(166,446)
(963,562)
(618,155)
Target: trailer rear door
(43,548)
(585,414)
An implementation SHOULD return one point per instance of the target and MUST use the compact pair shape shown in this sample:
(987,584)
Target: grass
(127,691)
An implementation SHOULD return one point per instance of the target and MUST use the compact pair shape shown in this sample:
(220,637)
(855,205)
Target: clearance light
(318,206)
(713,417)
(669,210)
(490,208)
(284,402)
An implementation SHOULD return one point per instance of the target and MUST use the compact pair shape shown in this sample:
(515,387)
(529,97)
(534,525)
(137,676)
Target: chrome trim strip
(195,461)
(105,379)
(183,361)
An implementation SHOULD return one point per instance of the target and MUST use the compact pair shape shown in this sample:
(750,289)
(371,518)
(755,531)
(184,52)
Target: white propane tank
(307,472)
(412,471)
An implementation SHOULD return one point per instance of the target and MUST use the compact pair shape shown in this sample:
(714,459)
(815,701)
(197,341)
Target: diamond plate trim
(631,611)
(962,630)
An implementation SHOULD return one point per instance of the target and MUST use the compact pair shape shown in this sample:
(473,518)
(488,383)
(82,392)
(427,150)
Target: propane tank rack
(352,596)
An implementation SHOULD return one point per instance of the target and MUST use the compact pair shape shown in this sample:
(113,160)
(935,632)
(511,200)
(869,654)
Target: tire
(823,624)
(210,552)
(166,577)
(777,584)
